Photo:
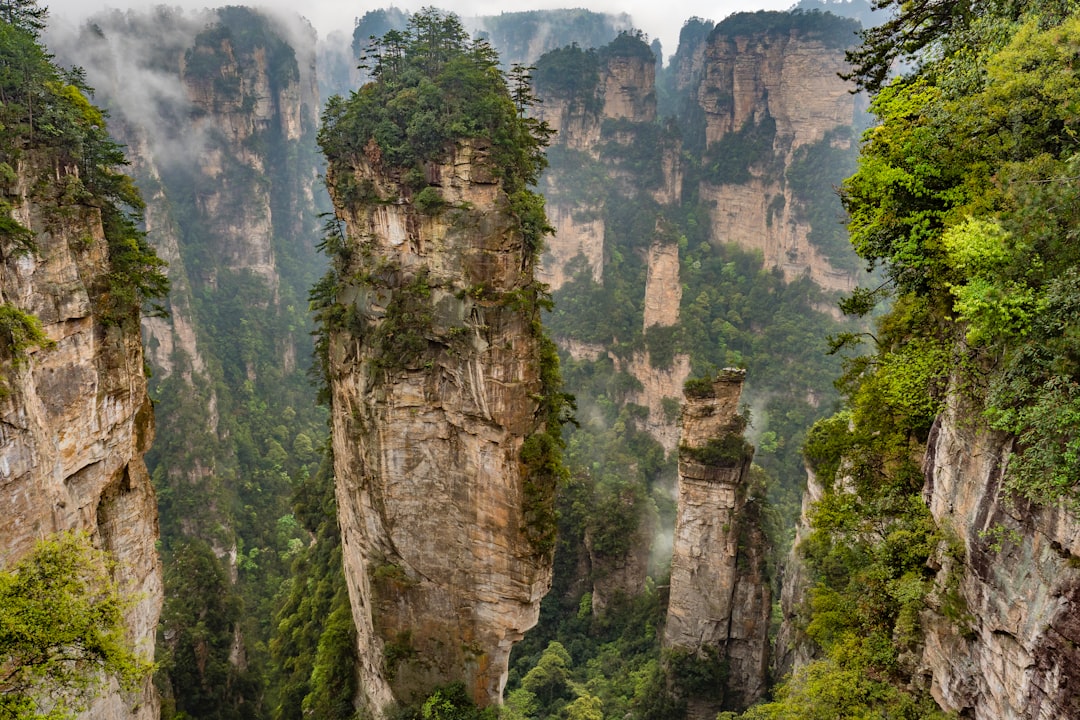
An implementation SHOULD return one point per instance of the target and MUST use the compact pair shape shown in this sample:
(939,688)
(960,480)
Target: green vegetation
(814,177)
(957,198)
(238,429)
(63,633)
(313,644)
(833,31)
(46,120)
(570,72)
(432,86)
(734,159)
(968,235)
(19,331)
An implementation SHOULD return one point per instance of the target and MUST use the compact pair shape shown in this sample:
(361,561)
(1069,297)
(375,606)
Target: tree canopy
(432,85)
(61,630)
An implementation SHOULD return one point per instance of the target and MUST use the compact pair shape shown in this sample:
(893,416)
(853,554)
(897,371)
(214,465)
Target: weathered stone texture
(75,420)
(1014,652)
(442,576)
(792,80)
(720,596)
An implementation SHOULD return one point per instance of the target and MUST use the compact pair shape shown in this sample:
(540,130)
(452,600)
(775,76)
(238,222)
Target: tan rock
(75,420)
(442,575)
(1014,650)
(720,599)
(793,80)
(663,291)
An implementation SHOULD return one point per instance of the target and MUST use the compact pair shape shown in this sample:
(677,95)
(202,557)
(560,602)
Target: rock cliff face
(75,419)
(792,648)
(623,89)
(779,81)
(434,383)
(1013,651)
(718,613)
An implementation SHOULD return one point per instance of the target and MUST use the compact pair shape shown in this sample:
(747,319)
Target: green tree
(62,630)
(24,14)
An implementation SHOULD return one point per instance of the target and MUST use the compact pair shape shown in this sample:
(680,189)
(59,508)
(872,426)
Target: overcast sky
(658,19)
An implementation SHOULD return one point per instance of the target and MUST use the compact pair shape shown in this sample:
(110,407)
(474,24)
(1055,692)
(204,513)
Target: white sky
(657,18)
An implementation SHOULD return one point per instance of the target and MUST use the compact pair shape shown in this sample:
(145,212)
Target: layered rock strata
(435,384)
(720,602)
(624,90)
(787,77)
(1002,636)
(75,419)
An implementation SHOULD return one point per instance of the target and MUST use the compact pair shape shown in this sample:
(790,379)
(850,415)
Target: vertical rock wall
(75,420)
(789,77)
(720,602)
(1002,639)
(434,379)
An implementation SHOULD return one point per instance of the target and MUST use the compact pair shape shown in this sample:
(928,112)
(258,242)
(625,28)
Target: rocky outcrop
(210,105)
(622,89)
(659,387)
(75,418)
(765,73)
(628,86)
(782,72)
(1002,637)
(663,291)
(761,215)
(720,602)
(792,648)
(435,383)
(618,578)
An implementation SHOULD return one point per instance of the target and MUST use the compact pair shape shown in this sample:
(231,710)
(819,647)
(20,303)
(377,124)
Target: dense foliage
(62,631)
(964,196)
(431,86)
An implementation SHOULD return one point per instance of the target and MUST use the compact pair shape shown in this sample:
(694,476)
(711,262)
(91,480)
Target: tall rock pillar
(435,368)
(716,636)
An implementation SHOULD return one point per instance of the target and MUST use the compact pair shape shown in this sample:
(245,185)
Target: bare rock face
(435,379)
(759,215)
(577,234)
(1003,642)
(657,386)
(663,291)
(624,89)
(718,613)
(629,88)
(787,75)
(75,419)
(793,649)
(787,78)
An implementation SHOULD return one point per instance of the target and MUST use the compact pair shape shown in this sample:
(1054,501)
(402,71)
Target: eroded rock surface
(1013,649)
(75,419)
(720,601)
(435,382)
